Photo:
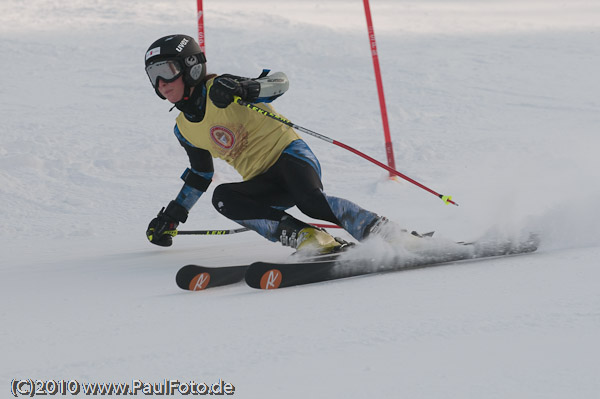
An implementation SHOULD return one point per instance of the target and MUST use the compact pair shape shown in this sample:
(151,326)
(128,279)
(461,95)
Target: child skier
(278,168)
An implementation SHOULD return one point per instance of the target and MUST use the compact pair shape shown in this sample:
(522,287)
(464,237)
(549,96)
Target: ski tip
(264,276)
(271,279)
(189,279)
(199,282)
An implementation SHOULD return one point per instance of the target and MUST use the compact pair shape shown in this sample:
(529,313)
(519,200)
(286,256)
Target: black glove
(226,87)
(163,227)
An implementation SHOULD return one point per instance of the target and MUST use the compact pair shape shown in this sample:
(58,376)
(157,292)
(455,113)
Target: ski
(265,275)
(197,278)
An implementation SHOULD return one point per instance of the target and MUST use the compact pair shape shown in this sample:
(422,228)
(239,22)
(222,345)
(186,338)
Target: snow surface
(494,102)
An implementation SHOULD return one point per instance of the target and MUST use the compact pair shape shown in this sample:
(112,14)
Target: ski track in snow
(495,103)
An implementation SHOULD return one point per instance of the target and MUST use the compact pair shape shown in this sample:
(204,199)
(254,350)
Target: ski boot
(394,234)
(306,238)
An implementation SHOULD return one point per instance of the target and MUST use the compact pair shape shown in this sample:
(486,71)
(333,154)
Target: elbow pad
(198,180)
(195,185)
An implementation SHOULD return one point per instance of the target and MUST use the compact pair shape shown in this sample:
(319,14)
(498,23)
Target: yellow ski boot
(312,239)
(306,238)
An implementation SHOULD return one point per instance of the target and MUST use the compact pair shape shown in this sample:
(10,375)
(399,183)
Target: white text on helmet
(181,45)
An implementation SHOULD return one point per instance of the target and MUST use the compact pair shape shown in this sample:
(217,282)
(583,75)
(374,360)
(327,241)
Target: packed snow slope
(496,103)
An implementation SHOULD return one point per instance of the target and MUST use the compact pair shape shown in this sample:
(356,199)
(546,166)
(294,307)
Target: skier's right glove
(226,87)
(163,227)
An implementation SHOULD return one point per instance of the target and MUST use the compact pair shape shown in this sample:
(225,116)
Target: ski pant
(259,203)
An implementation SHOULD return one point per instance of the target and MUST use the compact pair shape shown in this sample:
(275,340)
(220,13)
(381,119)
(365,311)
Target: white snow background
(496,103)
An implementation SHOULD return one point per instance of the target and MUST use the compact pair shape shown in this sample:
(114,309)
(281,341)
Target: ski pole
(239,230)
(211,232)
(446,198)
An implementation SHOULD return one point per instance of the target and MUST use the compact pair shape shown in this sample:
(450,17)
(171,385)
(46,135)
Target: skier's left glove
(163,227)
(225,88)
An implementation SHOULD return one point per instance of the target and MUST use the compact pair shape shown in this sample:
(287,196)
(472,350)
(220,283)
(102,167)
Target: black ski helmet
(185,52)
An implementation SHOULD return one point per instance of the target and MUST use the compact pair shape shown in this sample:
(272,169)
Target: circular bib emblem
(222,136)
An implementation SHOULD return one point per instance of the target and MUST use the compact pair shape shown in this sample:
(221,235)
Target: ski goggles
(168,71)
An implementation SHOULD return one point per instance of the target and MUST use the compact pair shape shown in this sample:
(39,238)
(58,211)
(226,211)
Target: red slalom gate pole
(389,149)
(201,27)
(446,198)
